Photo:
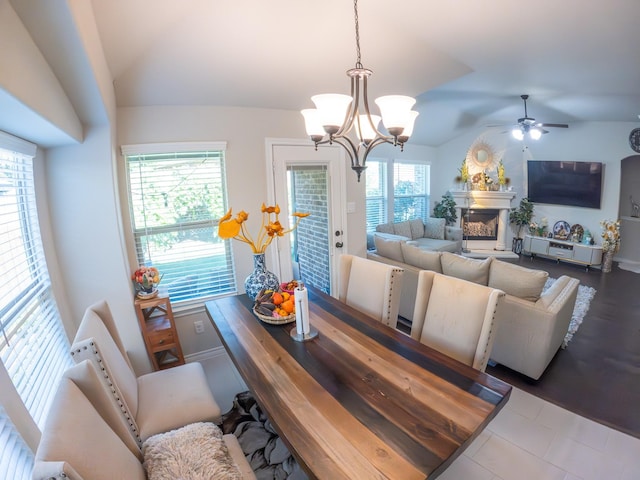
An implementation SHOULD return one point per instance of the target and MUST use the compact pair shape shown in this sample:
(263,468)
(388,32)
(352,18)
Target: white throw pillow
(423,259)
(518,281)
(385,228)
(434,228)
(471,269)
(390,248)
(417,228)
(402,228)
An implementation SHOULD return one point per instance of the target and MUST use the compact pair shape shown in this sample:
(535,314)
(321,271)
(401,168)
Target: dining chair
(371,287)
(456,317)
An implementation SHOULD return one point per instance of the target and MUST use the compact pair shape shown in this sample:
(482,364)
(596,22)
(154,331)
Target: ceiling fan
(528,127)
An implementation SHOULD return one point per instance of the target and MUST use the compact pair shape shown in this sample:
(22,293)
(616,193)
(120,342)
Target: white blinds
(16,459)
(34,348)
(410,190)
(376,192)
(175,200)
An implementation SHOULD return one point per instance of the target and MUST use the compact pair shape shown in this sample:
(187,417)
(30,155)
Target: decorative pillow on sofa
(389,247)
(402,228)
(470,269)
(423,259)
(417,228)
(434,228)
(518,281)
(385,228)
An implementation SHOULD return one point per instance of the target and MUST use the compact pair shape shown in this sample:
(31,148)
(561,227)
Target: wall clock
(634,140)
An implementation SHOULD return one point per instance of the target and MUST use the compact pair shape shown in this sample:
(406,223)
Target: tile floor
(530,439)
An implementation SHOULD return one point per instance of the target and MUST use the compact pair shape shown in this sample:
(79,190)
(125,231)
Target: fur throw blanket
(193,452)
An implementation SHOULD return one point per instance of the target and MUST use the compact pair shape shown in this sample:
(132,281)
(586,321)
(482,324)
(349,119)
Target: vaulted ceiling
(467,61)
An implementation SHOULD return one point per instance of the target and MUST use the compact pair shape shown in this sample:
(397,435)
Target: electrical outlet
(199,326)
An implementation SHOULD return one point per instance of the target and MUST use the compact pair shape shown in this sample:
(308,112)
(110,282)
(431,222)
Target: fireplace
(488,218)
(479,224)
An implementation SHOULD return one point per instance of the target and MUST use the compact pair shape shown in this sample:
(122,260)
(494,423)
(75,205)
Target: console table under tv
(565,250)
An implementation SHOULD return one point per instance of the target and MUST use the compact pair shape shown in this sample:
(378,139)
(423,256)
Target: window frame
(389,194)
(177,148)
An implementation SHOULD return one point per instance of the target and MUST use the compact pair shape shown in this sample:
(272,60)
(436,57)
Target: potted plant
(520,217)
(446,209)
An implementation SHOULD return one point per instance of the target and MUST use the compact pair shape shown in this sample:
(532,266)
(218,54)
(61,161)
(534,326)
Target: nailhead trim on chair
(484,354)
(393,276)
(125,412)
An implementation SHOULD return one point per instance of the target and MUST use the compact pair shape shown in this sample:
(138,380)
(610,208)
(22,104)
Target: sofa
(531,324)
(432,234)
(78,441)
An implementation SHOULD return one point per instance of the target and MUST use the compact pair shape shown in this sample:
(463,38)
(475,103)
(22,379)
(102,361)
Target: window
(34,348)
(409,182)
(177,192)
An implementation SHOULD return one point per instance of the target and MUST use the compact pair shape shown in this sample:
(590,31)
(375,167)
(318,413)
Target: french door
(302,179)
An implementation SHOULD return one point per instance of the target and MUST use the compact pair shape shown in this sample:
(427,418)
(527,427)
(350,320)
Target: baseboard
(205,355)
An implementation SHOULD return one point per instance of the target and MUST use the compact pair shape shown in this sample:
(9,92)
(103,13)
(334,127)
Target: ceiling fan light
(535,133)
(395,110)
(363,127)
(517,133)
(332,109)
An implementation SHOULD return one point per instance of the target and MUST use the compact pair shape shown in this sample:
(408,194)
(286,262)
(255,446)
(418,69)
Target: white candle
(302,310)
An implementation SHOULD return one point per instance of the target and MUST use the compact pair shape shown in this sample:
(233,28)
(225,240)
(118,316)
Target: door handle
(339,244)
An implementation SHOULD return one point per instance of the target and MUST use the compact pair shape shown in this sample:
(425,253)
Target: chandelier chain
(355,11)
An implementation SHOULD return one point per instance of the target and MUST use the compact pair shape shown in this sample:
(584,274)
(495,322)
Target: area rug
(264,450)
(583,301)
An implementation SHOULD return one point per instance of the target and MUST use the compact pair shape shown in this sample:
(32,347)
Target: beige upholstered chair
(79,440)
(455,317)
(153,403)
(371,287)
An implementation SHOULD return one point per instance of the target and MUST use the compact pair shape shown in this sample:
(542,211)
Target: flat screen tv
(577,184)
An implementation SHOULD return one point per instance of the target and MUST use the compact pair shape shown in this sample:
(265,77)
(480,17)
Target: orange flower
(271,227)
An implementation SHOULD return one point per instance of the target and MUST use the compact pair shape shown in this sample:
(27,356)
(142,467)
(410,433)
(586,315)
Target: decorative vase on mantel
(260,277)
(607,261)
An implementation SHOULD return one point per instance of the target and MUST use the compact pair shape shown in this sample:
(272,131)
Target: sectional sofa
(531,323)
(432,234)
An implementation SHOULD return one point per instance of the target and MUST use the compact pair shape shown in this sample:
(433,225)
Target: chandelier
(336,116)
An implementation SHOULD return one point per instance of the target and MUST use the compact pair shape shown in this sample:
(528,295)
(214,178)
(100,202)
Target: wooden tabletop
(361,400)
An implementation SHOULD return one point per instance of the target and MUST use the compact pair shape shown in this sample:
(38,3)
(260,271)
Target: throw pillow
(434,228)
(471,269)
(402,228)
(417,228)
(385,228)
(518,281)
(390,248)
(196,451)
(423,259)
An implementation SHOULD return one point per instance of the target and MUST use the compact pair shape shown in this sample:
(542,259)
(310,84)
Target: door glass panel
(308,191)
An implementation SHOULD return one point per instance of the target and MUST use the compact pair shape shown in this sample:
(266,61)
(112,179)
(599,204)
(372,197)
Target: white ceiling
(467,61)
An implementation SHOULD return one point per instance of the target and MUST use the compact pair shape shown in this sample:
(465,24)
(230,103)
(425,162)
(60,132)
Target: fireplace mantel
(478,199)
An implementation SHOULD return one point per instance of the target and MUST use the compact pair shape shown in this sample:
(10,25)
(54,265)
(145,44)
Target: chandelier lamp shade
(348,121)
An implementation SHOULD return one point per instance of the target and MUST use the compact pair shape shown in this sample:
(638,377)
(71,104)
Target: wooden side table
(159,332)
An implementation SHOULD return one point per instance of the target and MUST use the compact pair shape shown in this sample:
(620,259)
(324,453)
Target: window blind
(16,459)
(34,348)
(410,191)
(376,194)
(176,199)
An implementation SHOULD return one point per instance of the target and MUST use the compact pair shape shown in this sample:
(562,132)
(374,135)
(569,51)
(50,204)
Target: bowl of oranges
(275,307)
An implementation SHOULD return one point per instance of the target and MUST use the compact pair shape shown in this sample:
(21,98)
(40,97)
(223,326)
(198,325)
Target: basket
(275,320)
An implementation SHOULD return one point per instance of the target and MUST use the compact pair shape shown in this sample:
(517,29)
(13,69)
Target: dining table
(361,400)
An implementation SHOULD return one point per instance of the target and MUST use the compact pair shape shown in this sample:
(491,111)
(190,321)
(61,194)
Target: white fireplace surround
(480,200)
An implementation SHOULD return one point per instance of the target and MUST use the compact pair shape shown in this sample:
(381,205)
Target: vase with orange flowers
(235,227)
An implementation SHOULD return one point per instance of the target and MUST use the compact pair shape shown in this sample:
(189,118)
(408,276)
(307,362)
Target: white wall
(604,142)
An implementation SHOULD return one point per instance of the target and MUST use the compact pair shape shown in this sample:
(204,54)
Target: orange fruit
(276,298)
(288,306)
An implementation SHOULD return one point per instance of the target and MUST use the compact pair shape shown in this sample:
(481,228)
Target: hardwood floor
(598,374)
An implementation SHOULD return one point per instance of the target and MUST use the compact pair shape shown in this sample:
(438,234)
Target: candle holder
(303,337)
